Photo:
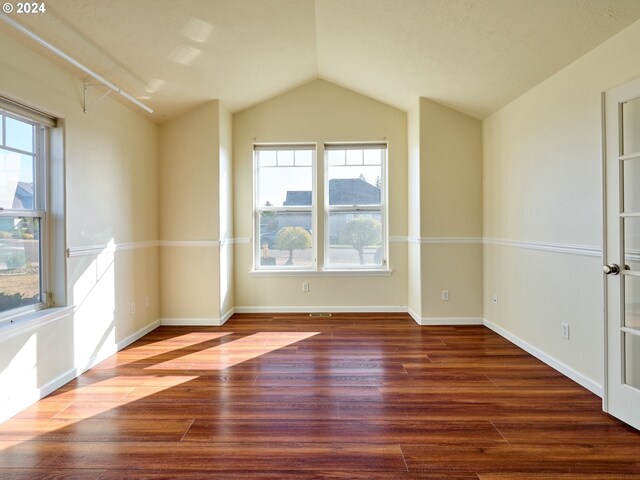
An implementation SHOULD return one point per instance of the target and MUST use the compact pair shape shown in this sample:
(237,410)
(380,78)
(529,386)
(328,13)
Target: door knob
(611,269)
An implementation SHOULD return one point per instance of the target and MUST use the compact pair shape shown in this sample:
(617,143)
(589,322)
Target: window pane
(355,239)
(304,158)
(632,359)
(373,156)
(19,134)
(336,157)
(631,126)
(16,181)
(285,239)
(631,172)
(285,158)
(266,158)
(352,182)
(284,186)
(19,262)
(354,157)
(632,302)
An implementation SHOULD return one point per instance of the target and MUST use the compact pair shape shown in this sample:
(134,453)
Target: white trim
(29,398)
(414,315)
(192,322)
(110,248)
(34,395)
(450,321)
(32,320)
(321,273)
(189,243)
(123,247)
(227,316)
(398,239)
(444,320)
(584,250)
(107,352)
(450,240)
(317,309)
(549,360)
(242,240)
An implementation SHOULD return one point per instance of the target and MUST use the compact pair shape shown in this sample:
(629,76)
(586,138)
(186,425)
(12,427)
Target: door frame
(614,295)
(603,257)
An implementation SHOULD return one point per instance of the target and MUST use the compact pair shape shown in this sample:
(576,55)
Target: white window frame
(40,192)
(382,208)
(258,209)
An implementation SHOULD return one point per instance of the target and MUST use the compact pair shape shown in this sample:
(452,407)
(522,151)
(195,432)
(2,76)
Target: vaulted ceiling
(473,55)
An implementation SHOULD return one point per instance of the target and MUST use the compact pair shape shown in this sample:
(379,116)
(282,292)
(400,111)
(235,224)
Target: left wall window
(23,213)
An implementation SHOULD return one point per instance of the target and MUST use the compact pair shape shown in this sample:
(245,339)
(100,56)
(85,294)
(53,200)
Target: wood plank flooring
(291,397)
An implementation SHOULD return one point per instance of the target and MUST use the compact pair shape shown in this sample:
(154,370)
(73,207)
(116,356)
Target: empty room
(320,239)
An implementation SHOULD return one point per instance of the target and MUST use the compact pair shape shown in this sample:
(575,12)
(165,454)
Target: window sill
(28,321)
(322,273)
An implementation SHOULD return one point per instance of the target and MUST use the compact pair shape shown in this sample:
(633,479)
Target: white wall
(111,184)
(542,162)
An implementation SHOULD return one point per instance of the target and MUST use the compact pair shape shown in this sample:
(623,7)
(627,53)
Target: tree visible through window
(354,199)
(354,213)
(284,206)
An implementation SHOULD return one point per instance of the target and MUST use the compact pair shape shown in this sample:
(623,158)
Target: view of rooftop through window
(285,206)
(20,220)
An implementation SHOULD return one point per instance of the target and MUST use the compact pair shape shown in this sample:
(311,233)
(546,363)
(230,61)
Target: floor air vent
(320,314)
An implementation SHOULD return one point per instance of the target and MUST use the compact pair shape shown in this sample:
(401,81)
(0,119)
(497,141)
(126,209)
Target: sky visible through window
(15,167)
(295,173)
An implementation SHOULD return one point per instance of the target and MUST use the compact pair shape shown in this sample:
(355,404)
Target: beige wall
(110,158)
(320,112)
(448,222)
(190,220)
(542,166)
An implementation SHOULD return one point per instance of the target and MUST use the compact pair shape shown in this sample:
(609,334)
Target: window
(23,212)
(355,185)
(284,207)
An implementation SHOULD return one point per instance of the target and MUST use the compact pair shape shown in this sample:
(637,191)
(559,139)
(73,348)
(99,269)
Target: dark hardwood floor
(297,398)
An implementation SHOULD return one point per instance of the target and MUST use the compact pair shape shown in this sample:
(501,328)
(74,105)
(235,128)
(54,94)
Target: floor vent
(320,314)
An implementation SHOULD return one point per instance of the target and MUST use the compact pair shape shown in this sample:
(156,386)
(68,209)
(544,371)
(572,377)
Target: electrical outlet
(495,299)
(132,308)
(444,296)
(147,301)
(305,286)
(565,330)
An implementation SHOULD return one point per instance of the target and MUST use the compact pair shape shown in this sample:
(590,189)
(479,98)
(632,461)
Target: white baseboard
(452,321)
(29,398)
(193,322)
(107,352)
(549,360)
(227,316)
(316,309)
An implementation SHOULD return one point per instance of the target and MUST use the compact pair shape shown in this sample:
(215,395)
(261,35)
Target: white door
(622,252)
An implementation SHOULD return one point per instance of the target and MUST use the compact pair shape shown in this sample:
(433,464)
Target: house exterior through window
(353,217)
(23,213)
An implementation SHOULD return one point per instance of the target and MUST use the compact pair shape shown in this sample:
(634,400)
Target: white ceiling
(473,55)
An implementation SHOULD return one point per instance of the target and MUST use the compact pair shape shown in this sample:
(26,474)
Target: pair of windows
(23,213)
(350,229)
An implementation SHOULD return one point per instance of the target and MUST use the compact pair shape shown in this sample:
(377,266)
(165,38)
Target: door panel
(622,251)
